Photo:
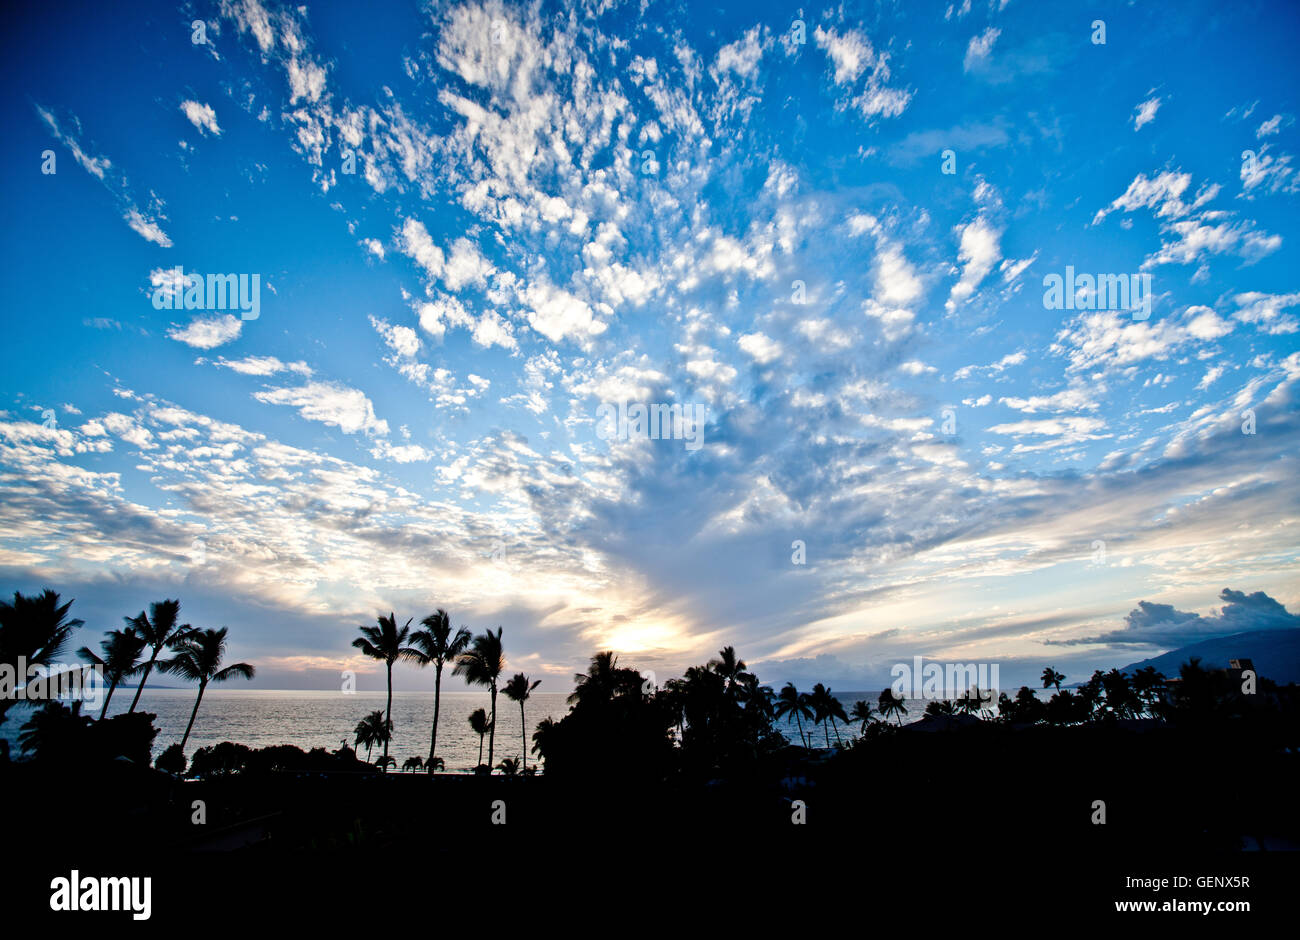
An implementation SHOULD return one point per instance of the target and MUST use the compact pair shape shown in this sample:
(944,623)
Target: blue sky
(556,206)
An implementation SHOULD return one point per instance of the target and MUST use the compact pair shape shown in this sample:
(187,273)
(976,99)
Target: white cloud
(329,403)
(202,117)
(980,47)
(979,251)
(760,347)
(1145,113)
(208,332)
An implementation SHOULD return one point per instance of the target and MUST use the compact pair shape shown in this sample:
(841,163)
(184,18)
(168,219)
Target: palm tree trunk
(199,698)
(437,700)
(143,679)
(523,733)
(368,749)
(799,721)
(388,715)
(480,750)
(827,733)
(836,729)
(492,728)
(108,698)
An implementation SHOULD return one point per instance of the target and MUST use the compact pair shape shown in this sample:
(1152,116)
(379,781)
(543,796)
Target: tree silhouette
(1052,678)
(158,629)
(386,644)
(792,702)
(34,628)
(412,763)
(728,665)
(198,659)
(436,644)
(121,659)
(518,690)
(890,704)
(508,766)
(863,712)
(373,729)
(482,664)
(478,721)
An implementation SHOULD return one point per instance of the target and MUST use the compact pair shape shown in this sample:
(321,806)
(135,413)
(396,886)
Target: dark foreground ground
(980,826)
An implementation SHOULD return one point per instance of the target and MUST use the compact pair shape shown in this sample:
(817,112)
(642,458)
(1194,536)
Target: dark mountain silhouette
(1275,653)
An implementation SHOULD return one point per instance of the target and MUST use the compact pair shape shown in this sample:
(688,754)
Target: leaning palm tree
(482,664)
(890,704)
(864,712)
(385,643)
(198,658)
(478,722)
(792,702)
(121,659)
(373,729)
(436,644)
(1051,677)
(159,629)
(518,690)
(34,628)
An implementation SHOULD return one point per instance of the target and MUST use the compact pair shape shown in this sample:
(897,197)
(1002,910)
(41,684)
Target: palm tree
(508,766)
(121,658)
(826,708)
(792,702)
(373,729)
(384,643)
(436,644)
(412,763)
(889,704)
(35,629)
(1052,678)
(482,664)
(518,690)
(158,629)
(835,709)
(198,658)
(603,680)
(863,712)
(478,721)
(728,665)
(385,762)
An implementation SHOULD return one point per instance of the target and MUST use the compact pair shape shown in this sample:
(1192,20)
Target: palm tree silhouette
(198,658)
(792,702)
(384,643)
(121,658)
(436,645)
(1052,678)
(478,721)
(518,690)
(482,664)
(728,665)
(835,709)
(508,766)
(889,704)
(158,629)
(34,628)
(863,712)
(412,763)
(385,762)
(373,729)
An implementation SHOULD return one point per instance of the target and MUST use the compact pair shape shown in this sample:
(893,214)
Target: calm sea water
(259,718)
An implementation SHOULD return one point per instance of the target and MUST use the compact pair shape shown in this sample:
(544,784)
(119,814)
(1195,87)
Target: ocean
(307,719)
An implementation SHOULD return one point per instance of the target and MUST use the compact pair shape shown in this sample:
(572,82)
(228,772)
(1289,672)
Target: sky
(830,231)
